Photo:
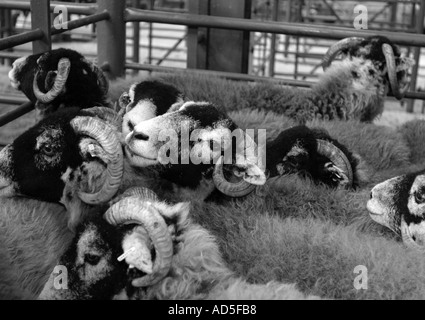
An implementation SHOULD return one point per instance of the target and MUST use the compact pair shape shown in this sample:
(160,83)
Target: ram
(60,78)
(187,263)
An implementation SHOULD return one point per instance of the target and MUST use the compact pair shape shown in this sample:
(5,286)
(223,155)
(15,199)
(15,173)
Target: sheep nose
(371,195)
(140,136)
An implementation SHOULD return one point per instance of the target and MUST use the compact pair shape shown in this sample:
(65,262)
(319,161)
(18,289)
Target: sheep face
(58,78)
(64,158)
(93,270)
(94,263)
(312,153)
(146,100)
(399,204)
(185,146)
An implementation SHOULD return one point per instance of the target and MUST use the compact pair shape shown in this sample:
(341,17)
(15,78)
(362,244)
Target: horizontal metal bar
(296,29)
(16,113)
(227,75)
(15,100)
(82,8)
(9,55)
(75,24)
(245,77)
(21,38)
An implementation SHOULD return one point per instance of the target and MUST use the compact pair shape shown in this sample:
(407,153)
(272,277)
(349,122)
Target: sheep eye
(91,259)
(48,151)
(419,197)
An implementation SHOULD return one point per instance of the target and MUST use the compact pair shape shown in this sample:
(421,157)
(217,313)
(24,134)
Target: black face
(42,155)
(371,49)
(295,151)
(162,95)
(82,87)
(93,269)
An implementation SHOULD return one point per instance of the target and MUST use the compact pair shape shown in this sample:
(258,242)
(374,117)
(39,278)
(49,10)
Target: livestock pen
(290,230)
(111,18)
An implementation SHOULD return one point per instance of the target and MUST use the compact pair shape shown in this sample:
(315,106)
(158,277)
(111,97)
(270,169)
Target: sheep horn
(108,139)
(103,82)
(392,72)
(335,49)
(235,190)
(132,210)
(64,67)
(142,193)
(337,157)
(106,114)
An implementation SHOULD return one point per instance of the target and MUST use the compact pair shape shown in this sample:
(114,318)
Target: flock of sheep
(87,188)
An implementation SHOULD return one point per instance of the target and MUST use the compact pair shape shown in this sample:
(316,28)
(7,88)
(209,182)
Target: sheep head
(131,247)
(58,78)
(382,53)
(146,100)
(72,157)
(187,147)
(312,153)
(399,204)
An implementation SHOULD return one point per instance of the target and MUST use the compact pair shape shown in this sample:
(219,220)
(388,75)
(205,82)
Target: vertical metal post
(136,38)
(150,45)
(274,40)
(288,19)
(111,33)
(41,19)
(417,55)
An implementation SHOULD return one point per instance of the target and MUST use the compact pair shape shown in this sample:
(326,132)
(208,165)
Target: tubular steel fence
(111,17)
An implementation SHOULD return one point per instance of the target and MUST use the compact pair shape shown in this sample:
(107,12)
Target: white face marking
(91,273)
(16,67)
(418,186)
(144,110)
(417,232)
(381,207)
(131,92)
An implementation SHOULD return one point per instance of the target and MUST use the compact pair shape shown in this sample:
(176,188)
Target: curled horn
(236,190)
(142,193)
(106,114)
(103,82)
(245,152)
(132,210)
(392,72)
(338,157)
(335,49)
(108,140)
(64,67)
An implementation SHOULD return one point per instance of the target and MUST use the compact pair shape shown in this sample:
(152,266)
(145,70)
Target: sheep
(73,157)
(398,204)
(187,263)
(60,78)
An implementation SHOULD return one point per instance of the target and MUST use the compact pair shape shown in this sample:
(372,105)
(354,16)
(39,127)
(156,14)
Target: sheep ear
(252,174)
